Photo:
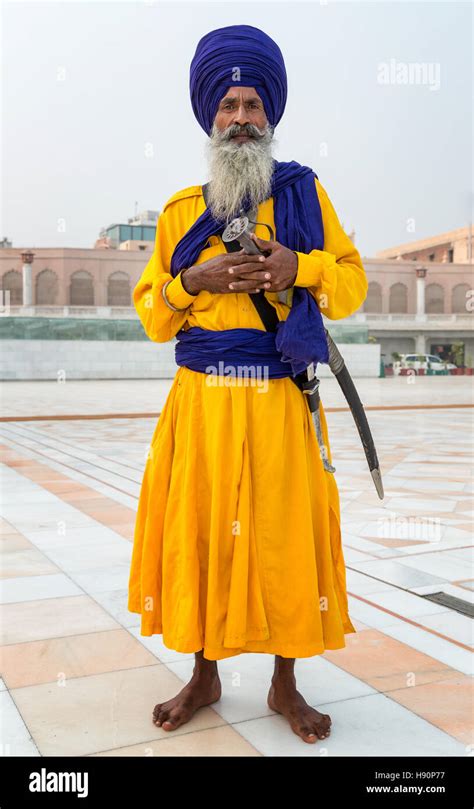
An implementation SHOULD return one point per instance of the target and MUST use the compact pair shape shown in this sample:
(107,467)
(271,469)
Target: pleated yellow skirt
(237,545)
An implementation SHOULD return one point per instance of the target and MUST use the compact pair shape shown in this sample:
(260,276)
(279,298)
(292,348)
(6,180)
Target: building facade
(452,247)
(411,306)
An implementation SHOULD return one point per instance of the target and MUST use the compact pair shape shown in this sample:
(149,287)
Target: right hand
(217,273)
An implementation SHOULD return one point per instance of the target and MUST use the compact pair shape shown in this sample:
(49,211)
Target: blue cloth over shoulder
(246,56)
(301,338)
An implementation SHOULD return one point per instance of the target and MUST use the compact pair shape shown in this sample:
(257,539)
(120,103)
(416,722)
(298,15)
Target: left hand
(280,262)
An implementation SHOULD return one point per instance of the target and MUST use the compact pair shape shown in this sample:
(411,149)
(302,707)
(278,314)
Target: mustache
(247,129)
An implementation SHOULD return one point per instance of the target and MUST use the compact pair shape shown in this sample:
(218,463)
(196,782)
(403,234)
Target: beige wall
(110,276)
(97,268)
(446,282)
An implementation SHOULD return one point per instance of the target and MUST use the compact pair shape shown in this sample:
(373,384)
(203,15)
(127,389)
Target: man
(237,544)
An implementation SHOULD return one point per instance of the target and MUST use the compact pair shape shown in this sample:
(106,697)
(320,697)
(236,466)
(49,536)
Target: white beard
(239,169)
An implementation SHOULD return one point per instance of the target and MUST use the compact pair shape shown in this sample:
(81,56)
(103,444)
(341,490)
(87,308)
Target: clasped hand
(240,272)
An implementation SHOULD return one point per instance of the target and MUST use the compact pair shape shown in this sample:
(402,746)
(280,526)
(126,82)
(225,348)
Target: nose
(242,115)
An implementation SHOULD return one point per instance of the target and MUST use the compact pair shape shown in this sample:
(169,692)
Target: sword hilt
(238,230)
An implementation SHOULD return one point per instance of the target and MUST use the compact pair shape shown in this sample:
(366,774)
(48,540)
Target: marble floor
(77,677)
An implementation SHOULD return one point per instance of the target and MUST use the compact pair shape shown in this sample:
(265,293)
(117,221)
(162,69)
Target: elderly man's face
(240,106)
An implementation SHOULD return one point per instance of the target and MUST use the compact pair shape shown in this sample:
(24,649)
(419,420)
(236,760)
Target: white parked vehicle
(421,361)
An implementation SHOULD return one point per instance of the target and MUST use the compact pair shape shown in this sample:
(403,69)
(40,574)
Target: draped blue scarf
(301,338)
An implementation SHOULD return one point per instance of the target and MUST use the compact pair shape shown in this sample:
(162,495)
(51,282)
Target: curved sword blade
(338,367)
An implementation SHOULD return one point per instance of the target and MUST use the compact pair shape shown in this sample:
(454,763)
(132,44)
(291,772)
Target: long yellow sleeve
(159,321)
(335,275)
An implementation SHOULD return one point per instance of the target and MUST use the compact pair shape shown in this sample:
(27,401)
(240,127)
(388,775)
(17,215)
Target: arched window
(398,299)
(13,283)
(81,290)
(459,299)
(118,290)
(373,301)
(46,288)
(434,304)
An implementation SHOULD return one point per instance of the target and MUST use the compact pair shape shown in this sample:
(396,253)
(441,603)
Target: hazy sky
(97,117)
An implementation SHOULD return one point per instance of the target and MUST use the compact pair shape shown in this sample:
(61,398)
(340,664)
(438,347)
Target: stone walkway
(79,679)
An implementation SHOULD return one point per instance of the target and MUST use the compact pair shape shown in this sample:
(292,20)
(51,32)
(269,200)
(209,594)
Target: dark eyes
(229,106)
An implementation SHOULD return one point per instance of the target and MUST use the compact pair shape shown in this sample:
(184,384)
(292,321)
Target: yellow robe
(237,545)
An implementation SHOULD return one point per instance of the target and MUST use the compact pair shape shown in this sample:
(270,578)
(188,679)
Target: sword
(308,382)
(338,367)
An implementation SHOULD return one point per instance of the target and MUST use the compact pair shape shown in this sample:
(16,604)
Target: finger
(250,266)
(244,269)
(251,274)
(244,286)
(264,244)
(244,258)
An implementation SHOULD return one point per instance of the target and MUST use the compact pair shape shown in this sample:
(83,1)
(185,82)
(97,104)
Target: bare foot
(202,689)
(305,721)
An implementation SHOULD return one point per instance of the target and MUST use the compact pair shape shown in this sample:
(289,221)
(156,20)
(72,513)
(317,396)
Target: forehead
(247,93)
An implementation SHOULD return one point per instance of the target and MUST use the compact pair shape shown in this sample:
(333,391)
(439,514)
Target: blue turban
(214,67)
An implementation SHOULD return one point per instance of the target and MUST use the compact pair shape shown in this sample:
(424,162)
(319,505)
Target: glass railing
(347,332)
(57,328)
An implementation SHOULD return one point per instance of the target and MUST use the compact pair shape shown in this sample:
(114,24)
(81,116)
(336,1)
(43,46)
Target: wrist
(189,281)
(295,269)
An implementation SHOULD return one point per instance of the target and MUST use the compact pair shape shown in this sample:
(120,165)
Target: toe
(162,718)
(322,734)
(323,730)
(308,734)
(170,723)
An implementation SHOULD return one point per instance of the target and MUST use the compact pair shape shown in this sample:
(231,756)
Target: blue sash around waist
(212,351)
(257,350)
